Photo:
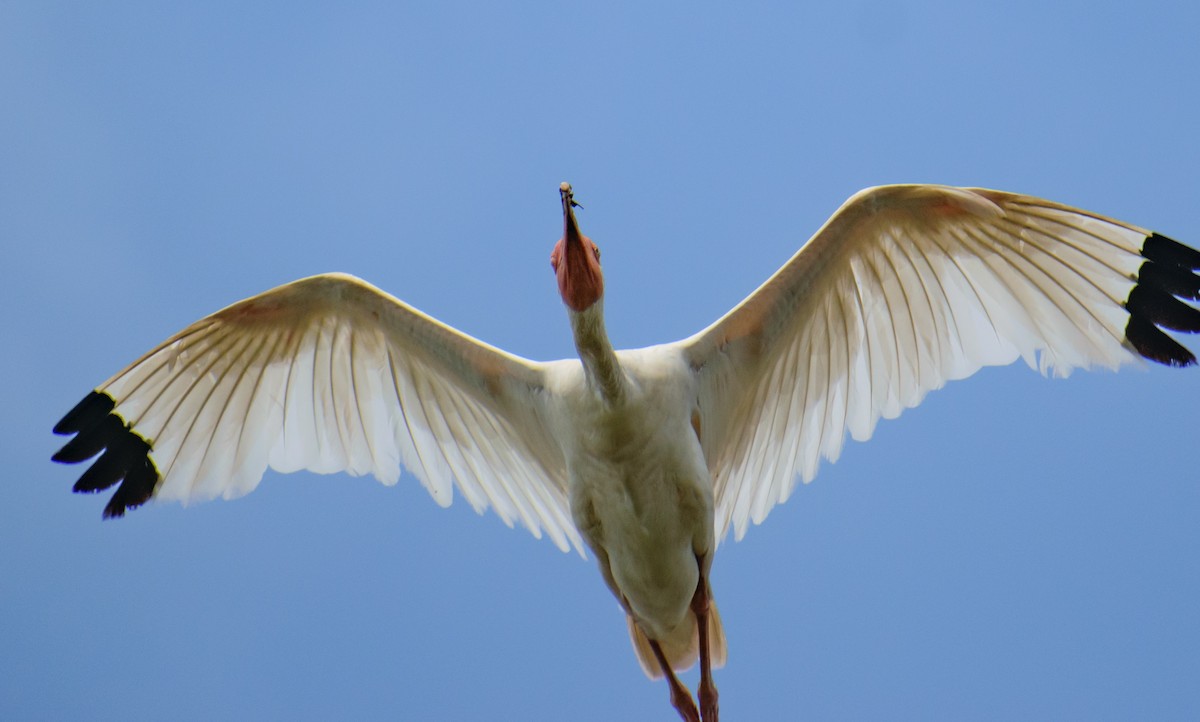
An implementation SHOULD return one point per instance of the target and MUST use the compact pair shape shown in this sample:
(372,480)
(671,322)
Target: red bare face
(576,263)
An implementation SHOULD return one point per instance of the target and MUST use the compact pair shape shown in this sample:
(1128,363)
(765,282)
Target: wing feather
(904,289)
(326,374)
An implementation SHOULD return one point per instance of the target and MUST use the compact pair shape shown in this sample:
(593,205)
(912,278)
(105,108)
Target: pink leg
(681,698)
(708,691)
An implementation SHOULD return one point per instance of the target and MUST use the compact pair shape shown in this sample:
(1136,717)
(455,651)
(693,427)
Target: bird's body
(649,456)
(639,488)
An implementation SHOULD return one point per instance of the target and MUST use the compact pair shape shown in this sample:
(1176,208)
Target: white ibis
(647,456)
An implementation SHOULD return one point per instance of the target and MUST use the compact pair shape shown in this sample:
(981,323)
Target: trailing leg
(681,698)
(708,691)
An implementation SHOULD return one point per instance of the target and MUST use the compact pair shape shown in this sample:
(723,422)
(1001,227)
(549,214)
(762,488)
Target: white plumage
(331,374)
(648,456)
(904,289)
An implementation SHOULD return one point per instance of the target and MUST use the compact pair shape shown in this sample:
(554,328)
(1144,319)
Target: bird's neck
(600,363)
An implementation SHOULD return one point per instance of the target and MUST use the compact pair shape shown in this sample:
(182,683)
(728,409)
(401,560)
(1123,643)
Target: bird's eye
(596,251)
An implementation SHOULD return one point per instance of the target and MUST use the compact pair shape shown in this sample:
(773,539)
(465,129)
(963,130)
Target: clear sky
(1014,548)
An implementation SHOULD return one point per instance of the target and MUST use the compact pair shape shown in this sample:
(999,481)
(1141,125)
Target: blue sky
(1013,548)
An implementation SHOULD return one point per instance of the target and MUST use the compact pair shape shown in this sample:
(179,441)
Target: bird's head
(576,260)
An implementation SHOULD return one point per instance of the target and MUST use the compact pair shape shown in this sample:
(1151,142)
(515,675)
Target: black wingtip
(126,458)
(136,490)
(1150,341)
(91,440)
(1167,275)
(1167,251)
(94,407)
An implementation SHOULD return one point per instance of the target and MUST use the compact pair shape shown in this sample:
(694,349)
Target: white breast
(640,491)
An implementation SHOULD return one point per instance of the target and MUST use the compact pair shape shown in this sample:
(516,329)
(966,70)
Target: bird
(645,457)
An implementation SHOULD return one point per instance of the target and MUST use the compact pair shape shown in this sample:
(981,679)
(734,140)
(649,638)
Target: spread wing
(903,289)
(327,374)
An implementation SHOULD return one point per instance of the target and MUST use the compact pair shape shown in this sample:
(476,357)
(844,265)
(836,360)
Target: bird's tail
(681,647)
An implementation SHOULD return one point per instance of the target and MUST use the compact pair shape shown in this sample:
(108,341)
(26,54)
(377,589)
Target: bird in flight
(648,456)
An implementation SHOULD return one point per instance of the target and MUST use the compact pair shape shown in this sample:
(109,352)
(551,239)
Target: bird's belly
(649,522)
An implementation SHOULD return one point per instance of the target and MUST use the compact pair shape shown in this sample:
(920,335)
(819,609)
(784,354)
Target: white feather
(902,290)
(330,374)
